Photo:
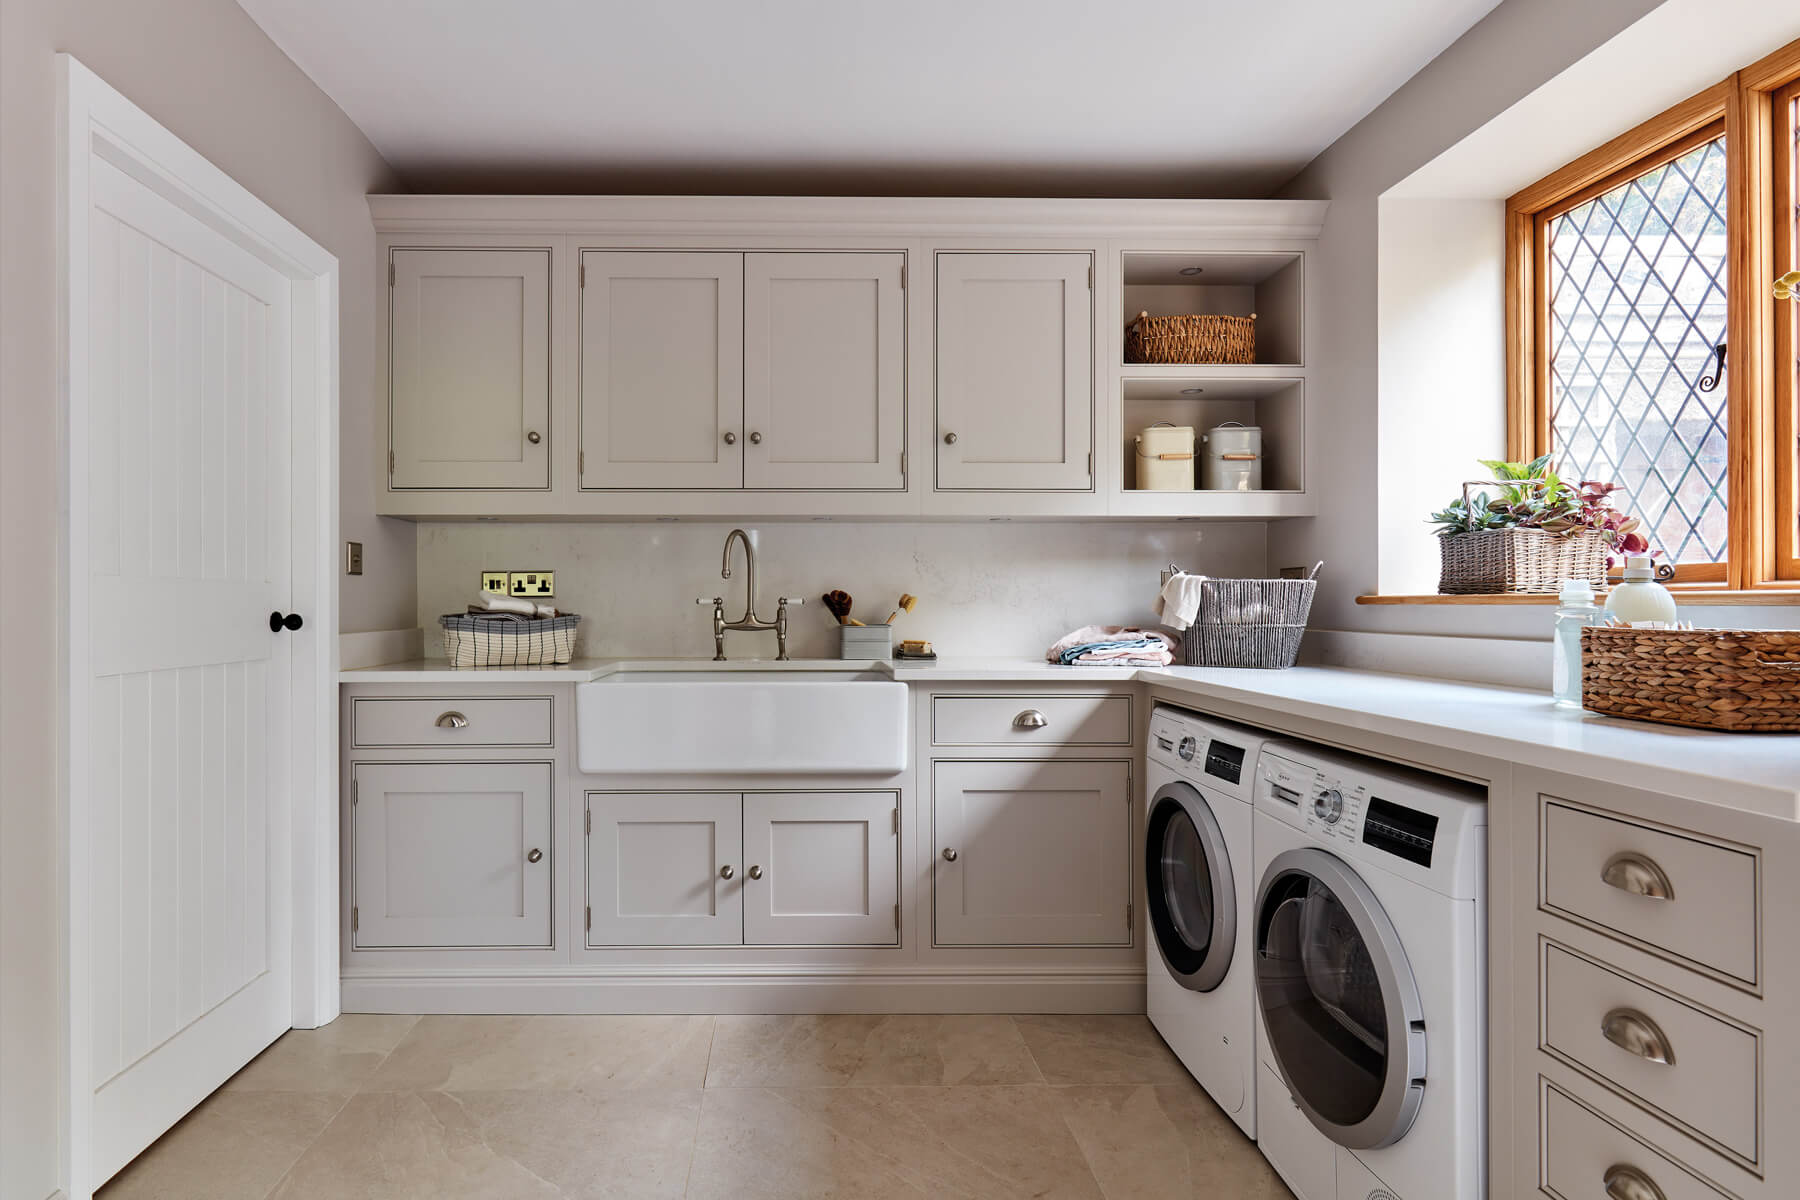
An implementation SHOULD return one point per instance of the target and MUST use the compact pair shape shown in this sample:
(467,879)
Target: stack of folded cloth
(1113,646)
(492,606)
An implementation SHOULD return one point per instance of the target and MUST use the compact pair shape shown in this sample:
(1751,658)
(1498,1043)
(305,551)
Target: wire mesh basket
(1249,623)
(487,642)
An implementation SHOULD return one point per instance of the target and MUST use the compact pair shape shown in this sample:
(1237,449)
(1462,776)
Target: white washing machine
(1369,931)
(1199,885)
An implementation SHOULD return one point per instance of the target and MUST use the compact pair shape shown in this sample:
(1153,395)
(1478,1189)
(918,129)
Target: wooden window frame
(1753,109)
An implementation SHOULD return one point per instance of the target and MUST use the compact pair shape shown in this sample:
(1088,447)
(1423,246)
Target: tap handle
(715,601)
(785,600)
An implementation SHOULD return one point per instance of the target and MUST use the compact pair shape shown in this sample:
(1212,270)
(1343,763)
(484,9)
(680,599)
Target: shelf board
(1215,388)
(1205,371)
(1242,506)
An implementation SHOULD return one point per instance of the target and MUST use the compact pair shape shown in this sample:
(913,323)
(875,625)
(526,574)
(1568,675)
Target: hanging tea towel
(1179,601)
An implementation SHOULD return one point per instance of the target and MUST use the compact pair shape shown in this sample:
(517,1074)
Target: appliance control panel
(1324,803)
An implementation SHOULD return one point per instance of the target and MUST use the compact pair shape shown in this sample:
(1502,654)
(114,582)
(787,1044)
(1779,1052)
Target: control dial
(1328,805)
(1188,748)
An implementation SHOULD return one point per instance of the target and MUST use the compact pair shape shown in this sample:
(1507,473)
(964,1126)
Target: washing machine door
(1338,1000)
(1188,882)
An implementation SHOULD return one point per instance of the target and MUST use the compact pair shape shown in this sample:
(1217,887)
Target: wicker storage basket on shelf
(485,642)
(1489,561)
(1191,339)
(1741,680)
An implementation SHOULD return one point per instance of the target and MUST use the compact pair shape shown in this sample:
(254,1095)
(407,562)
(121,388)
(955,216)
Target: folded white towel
(1179,601)
(495,602)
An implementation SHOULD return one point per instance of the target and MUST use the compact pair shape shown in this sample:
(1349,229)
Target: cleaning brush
(838,603)
(907,602)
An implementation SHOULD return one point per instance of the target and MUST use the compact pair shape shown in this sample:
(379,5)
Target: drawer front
(452,721)
(1709,1082)
(1610,872)
(1031,720)
(1581,1150)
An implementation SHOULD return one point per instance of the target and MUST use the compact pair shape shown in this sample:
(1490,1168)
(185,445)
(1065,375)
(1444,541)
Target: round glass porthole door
(1193,900)
(1338,1000)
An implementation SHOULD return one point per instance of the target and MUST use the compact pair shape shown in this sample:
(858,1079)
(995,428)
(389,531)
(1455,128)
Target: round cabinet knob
(536,856)
(1328,806)
(534,437)
(755,872)
(1187,749)
(291,622)
(452,720)
(730,438)
(726,871)
(949,439)
(949,854)
(755,438)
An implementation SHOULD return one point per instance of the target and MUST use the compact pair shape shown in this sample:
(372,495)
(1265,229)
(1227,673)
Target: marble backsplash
(985,589)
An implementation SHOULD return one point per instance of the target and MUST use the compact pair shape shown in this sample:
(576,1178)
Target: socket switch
(534,585)
(494,581)
(353,558)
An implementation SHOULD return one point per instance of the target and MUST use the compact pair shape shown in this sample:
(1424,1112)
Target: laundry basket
(1249,623)
(486,642)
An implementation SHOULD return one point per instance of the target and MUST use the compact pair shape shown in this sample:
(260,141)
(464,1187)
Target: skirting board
(747,991)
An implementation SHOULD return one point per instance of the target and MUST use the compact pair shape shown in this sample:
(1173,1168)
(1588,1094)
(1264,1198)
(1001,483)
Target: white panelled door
(823,869)
(191,499)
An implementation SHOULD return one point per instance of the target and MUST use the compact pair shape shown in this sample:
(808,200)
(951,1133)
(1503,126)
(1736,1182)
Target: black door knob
(277,622)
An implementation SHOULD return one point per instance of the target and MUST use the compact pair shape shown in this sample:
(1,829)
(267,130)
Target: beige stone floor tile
(971,1142)
(557,1053)
(234,1146)
(336,1057)
(856,1050)
(1165,1142)
(1099,1050)
(606,1143)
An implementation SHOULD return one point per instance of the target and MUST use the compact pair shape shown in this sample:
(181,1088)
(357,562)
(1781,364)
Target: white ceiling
(1024,97)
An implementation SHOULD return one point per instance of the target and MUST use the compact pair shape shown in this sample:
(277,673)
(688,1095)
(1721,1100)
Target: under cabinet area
(1032,853)
(451,855)
(468,368)
(751,869)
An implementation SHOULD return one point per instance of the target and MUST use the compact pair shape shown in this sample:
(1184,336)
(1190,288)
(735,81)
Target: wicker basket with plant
(1533,533)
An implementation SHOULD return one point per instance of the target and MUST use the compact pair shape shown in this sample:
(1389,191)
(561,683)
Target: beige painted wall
(1512,51)
(202,68)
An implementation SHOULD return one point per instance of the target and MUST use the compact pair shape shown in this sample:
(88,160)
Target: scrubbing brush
(907,603)
(838,603)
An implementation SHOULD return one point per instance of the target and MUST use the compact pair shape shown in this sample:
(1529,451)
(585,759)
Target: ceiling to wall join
(975,97)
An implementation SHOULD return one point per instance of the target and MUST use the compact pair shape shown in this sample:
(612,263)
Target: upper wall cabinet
(824,371)
(726,370)
(662,370)
(1015,380)
(469,368)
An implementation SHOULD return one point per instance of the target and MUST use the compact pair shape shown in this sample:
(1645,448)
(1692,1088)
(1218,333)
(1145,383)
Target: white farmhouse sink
(788,722)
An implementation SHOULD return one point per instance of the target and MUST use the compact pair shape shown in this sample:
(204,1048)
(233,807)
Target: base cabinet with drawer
(452,854)
(752,869)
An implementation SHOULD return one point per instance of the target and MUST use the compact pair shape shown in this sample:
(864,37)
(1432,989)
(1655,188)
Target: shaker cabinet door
(822,869)
(824,371)
(452,855)
(469,369)
(1015,380)
(665,869)
(1031,853)
(662,370)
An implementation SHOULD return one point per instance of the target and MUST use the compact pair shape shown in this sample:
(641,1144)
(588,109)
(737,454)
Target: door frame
(95,121)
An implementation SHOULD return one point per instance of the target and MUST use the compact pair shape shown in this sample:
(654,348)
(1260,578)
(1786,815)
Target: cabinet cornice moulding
(816,216)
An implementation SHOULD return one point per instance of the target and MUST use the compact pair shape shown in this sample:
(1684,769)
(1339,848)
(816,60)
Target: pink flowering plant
(1533,496)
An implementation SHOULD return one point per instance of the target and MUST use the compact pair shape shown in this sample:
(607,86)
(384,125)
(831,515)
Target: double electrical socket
(533,585)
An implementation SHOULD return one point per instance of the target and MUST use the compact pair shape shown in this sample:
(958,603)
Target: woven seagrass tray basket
(1490,561)
(1200,338)
(1741,680)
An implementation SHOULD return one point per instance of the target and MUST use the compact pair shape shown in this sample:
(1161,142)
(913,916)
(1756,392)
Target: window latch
(1709,382)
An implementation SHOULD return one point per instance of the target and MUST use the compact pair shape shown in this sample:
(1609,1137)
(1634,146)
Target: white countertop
(1753,772)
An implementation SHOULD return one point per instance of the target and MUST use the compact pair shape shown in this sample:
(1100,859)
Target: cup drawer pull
(1638,876)
(1628,1183)
(1031,718)
(452,720)
(1637,1034)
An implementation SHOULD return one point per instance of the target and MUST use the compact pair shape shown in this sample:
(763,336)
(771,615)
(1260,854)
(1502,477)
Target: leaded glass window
(1637,304)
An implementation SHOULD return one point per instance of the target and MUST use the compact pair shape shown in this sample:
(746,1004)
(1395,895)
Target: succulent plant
(1533,496)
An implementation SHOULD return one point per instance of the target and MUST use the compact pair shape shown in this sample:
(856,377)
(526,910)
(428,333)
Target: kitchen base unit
(484,872)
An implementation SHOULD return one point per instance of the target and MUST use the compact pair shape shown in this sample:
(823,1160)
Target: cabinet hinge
(581,273)
(355,918)
(355,791)
(896,820)
(1130,911)
(390,274)
(903,277)
(896,916)
(903,463)
(1090,277)
(590,823)
(590,918)
(581,462)
(1090,465)
(390,462)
